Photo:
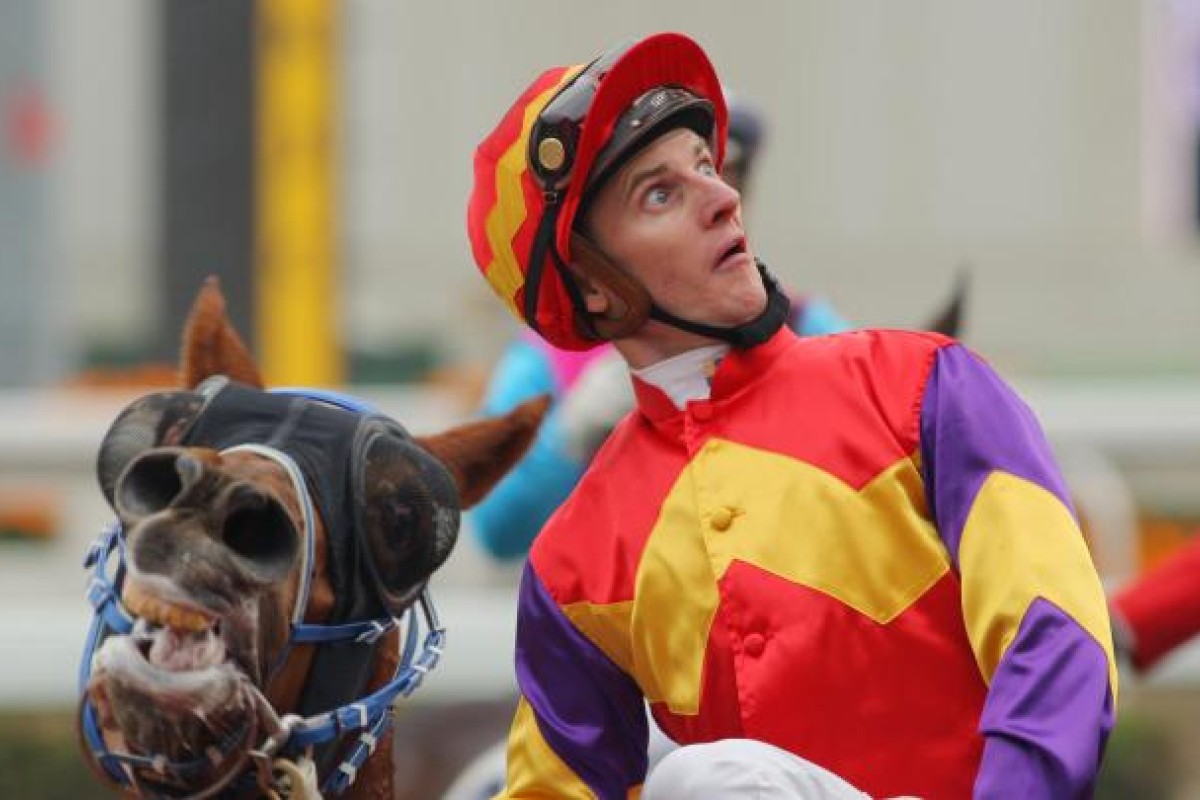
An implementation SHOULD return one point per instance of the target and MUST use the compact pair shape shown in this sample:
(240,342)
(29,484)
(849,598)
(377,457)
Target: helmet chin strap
(635,305)
(748,334)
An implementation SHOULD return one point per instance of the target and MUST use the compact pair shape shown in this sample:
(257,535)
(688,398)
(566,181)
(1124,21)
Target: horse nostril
(259,530)
(152,481)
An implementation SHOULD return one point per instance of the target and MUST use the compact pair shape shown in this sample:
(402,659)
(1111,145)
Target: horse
(270,555)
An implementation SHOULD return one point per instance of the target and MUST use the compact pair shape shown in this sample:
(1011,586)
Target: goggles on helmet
(553,156)
(554,140)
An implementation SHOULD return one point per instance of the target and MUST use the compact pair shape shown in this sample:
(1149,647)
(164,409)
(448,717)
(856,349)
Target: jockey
(855,549)
(508,519)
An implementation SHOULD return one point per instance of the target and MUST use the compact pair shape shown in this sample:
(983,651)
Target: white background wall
(907,138)
(1113,439)
(1035,141)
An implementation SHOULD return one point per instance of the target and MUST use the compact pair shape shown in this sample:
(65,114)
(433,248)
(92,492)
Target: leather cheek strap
(630,306)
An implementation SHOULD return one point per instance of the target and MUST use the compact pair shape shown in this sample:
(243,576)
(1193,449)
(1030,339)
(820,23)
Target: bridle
(265,749)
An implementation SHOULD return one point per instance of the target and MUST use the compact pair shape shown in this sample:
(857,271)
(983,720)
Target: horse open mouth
(176,648)
(169,686)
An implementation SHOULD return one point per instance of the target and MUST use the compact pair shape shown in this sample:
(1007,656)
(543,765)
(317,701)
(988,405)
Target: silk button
(722,518)
(754,644)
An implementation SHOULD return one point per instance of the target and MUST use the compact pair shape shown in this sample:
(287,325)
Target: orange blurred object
(1159,538)
(147,376)
(29,513)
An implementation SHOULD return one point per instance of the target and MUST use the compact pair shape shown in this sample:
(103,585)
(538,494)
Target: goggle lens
(555,137)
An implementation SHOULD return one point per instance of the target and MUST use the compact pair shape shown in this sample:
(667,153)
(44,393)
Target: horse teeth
(179,651)
(145,605)
(143,629)
(176,617)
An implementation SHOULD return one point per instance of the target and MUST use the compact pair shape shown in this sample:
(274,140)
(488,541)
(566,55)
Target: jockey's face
(669,219)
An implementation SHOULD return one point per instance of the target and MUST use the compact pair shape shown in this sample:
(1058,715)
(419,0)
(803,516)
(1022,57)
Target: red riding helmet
(570,130)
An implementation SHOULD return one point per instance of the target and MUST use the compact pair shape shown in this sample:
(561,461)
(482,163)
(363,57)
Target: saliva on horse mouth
(177,650)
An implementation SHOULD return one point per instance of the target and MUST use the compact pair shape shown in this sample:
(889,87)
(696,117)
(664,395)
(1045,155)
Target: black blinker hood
(329,444)
(319,437)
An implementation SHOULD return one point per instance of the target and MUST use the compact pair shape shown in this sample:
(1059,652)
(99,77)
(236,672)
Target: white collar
(686,376)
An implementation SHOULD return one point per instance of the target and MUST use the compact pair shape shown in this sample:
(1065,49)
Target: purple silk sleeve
(1048,713)
(972,424)
(1050,706)
(587,709)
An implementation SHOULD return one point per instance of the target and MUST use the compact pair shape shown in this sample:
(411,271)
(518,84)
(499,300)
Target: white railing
(1116,441)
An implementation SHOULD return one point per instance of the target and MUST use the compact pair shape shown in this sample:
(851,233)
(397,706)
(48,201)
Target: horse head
(271,552)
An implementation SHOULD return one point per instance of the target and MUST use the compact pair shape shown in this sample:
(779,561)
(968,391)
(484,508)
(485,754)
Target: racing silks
(859,549)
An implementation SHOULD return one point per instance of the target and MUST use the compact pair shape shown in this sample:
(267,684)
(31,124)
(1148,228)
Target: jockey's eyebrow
(640,177)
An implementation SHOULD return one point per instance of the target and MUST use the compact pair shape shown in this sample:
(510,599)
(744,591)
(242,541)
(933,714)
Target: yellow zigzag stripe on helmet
(509,212)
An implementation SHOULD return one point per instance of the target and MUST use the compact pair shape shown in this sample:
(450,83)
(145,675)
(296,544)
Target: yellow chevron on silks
(1041,553)
(509,212)
(874,550)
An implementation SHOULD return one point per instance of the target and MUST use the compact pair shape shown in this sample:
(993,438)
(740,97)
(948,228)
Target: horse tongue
(177,651)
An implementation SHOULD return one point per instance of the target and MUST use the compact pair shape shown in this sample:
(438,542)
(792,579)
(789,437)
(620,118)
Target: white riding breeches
(743,769)
(737,769)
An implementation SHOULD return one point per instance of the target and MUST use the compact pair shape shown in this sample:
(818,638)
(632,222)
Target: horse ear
(156,420)
(211,345)
(478,454)
(949,319)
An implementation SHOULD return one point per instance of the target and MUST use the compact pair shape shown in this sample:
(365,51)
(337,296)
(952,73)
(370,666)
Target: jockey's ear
(616,302)
(156,420)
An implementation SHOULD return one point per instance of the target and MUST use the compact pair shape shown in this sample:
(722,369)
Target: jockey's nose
(721,203)
(154,481)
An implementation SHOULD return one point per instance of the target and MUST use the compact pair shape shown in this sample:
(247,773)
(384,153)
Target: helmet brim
(661,60)
(644,122)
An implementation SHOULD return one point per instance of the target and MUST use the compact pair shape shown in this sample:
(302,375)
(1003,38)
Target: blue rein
(369,715)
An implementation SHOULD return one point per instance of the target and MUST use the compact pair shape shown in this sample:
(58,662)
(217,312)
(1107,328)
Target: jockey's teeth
(144,604)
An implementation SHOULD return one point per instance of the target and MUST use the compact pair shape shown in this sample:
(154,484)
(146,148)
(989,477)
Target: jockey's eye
(657,196)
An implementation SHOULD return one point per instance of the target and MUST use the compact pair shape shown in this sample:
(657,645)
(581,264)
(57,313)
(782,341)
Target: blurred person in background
(851,551)
(1159,611)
